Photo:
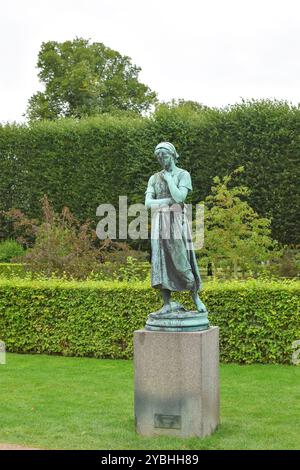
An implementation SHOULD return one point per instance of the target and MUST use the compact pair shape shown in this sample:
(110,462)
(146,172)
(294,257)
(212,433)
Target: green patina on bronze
(173,261)
(177,319)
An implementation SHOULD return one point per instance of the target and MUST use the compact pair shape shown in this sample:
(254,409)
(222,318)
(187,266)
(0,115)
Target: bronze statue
(173,261)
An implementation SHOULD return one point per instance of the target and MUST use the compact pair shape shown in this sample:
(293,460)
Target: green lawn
(56,402)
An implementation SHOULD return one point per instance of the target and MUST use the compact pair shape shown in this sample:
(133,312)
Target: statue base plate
(177,318)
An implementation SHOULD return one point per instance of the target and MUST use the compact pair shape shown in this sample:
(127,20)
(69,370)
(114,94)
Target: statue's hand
(167,176)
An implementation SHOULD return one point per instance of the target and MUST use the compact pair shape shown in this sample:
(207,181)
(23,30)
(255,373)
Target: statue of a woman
(173,261)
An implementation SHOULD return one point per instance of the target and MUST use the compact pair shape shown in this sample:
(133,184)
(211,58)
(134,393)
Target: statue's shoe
(176,307)
(173,307)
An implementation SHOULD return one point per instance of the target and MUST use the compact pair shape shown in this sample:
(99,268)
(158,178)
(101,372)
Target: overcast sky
(210,51)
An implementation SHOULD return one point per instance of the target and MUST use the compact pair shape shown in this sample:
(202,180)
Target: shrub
(10,249)
(258,320)
(15,224)
(289,263)
(66,248)
(235,236)
(63,247)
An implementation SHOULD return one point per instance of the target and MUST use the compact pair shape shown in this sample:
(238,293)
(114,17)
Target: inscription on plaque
(167,421)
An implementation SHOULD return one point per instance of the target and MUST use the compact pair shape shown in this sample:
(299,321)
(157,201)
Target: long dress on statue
(173,261)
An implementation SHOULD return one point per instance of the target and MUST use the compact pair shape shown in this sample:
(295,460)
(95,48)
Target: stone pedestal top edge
(178,332)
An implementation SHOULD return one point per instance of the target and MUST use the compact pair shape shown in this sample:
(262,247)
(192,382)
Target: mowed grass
(54,402)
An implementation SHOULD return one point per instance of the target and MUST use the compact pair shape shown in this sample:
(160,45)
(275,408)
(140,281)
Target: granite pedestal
(176,382)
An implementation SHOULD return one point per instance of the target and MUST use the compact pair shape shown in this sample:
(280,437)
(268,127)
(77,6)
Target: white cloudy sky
(211,51)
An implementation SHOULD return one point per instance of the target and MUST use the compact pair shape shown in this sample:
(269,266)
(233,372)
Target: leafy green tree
(235,237)
(86,79)
(189,105)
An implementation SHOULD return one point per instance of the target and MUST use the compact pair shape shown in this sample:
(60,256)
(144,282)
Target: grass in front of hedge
(54,402)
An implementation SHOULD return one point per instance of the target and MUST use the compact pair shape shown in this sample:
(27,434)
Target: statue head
(166,154)
(166,148)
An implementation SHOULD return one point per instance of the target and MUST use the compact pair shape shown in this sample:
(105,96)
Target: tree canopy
(85,79)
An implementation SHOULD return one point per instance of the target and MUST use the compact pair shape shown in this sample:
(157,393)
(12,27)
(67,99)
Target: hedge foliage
(258,320)
(84,163)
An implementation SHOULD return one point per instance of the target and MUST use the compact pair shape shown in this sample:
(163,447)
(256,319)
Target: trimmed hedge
(93,161)
(258,320)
